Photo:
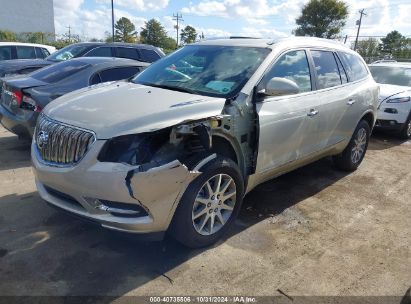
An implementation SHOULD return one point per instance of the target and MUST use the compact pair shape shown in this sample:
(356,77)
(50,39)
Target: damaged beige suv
(176,148)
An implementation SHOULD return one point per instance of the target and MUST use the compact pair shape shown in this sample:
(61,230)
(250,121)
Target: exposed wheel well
(224,148)
(369,118)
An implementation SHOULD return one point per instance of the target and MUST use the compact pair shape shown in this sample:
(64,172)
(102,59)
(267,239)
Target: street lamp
(112,20)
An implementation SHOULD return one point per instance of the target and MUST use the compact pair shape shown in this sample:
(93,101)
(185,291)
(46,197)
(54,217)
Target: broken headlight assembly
(133,149)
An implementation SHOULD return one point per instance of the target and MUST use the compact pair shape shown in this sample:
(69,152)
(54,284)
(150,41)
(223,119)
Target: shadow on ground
(381,140)
(15,153)
(44,251)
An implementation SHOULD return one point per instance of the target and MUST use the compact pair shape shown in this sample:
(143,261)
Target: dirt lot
(315,231)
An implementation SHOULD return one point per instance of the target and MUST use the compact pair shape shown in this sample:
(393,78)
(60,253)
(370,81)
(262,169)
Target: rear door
(127,52)
(283,120)
(25,52)
(333,94)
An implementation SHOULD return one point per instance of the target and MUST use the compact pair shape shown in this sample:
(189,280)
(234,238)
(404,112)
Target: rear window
(5,52)
(25,52)
(57,72)
(118,73)
(354,66)
(149,55)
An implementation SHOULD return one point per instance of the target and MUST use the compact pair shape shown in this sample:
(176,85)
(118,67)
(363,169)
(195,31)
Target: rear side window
(39,53)
(293,66)
(326,67)
(25,52)
(149,55)
(354,66)
(100,52)
(57,72)
(5,52)
(129,53)
(118,73)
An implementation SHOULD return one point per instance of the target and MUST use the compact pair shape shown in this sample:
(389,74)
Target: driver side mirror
(280,86)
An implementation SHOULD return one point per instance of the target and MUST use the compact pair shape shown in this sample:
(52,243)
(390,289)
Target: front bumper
(22,126)
(82,186)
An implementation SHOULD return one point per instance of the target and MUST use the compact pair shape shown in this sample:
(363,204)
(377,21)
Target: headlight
(398,100)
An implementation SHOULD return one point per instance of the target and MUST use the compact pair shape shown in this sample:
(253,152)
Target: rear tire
(352,156)
(405,133)
(208,207)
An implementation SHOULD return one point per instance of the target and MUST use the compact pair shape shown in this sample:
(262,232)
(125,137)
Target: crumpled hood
(122,108)
(389,90)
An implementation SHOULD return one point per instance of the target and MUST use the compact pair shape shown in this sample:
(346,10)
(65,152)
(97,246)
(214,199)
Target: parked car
(177,152)
(139,52)
(394,109)
(18,50)
(22,98)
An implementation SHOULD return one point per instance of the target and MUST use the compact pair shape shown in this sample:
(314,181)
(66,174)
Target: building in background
(28,16)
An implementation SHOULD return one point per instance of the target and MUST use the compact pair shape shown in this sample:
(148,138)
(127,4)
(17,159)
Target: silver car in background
(394,109)
(176,148)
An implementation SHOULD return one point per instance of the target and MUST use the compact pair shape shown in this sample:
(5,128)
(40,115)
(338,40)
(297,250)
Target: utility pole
(69,28)
(359,26)
(112,20)
(177,17)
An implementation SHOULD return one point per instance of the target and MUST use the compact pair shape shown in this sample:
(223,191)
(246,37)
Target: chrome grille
(61,144)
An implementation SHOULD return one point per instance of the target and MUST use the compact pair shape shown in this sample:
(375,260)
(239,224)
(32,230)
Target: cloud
(139,5)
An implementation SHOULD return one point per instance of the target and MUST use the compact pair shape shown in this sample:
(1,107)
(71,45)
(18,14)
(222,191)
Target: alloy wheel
(214,204)
(360,143)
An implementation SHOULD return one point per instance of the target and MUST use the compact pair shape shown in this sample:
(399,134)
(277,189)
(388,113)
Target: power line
(359,27)
(177,17)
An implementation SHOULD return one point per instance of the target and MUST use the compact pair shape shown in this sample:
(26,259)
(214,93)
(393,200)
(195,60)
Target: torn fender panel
(154,184)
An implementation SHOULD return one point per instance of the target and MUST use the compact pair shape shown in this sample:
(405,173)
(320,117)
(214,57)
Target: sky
(223,18)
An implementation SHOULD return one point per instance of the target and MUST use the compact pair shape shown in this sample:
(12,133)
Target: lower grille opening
(65,197)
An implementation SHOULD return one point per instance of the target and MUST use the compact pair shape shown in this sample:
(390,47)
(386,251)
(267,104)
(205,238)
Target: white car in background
(19,50)
(394,109)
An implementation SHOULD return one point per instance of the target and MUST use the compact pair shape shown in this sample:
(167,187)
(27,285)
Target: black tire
(344,161)
(182,226)
(405,133)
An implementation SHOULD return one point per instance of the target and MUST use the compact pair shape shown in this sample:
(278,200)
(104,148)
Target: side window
(343,75)
(100,52)
(118,73)
(5,52)
(25,52)
(149,55)
(129,53)
(45,52)
(327,71)
(354,66)
(293,66)
(95,79)
(39,53)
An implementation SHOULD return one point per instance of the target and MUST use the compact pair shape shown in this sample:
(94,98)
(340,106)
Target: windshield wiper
(172,88)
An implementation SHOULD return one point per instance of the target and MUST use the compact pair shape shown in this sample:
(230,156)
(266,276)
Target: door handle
(351,102)
(313,113)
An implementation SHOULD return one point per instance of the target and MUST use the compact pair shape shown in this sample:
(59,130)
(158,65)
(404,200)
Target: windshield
(68,52)
(392,75)
(59,71)
(219,71)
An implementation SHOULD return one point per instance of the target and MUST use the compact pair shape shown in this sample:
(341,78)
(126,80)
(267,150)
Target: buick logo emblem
(42,139)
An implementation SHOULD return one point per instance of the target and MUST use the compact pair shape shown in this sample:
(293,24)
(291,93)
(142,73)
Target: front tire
(352,156)
(210,204)
(406,130)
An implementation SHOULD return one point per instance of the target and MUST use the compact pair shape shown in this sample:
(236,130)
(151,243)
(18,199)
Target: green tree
(188,35)
(125,31)
(393,42)
(369,48)
(6,35)
(169,45)
(154,33)
(322,18)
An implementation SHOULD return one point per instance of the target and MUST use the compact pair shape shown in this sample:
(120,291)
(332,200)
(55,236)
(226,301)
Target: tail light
(17,97)
(29,103)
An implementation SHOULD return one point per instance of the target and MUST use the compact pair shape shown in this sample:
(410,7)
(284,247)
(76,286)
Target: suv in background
(139,52)
(394,110)
(177,147)
(17,50)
